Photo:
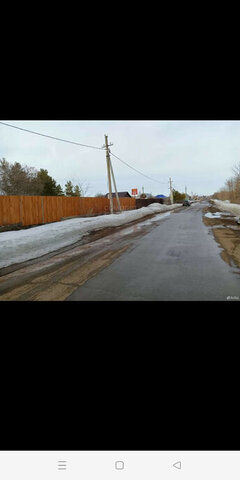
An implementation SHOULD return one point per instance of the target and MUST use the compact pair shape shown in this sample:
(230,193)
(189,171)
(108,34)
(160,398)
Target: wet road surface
(178,259)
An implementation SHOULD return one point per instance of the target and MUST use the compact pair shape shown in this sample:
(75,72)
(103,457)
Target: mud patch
(60,284)
(230,241)
(227,233)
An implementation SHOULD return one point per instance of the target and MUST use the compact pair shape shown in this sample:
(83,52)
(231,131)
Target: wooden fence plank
(31,210)
(10,212)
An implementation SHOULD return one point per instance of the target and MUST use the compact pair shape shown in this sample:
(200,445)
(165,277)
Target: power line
(82,145)
(49,136)
(137,170)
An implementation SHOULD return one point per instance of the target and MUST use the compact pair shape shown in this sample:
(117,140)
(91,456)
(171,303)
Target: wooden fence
(36,210)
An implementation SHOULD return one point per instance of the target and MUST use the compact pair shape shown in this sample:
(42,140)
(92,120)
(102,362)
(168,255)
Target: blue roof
(160,196)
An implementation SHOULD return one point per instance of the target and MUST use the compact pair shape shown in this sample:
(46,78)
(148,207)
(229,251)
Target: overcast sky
(197,154)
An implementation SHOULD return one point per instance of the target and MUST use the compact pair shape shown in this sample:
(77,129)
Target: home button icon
(119,465)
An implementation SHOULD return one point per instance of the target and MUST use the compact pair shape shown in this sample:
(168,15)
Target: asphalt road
(178,259)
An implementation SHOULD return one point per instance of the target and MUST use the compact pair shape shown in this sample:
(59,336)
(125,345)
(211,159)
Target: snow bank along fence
(36,210)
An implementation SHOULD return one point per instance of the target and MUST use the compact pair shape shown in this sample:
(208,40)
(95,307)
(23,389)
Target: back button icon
(178,465)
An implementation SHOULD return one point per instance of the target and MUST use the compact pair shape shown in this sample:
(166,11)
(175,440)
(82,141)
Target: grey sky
(196,154)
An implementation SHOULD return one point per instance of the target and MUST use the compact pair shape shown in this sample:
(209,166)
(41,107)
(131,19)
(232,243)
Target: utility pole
(171,192)
(115,186)
(109,173)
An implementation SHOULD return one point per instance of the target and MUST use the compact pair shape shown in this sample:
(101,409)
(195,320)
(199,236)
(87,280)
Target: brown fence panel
(74,207)
(102,205)
(52,207)
(71,206)
(93,205)
(66,207)
(14,209)
(127,203)
(31,210)
(10,210)
(65,210)
(86,206)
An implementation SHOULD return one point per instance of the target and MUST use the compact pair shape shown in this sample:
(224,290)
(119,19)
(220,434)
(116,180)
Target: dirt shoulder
(226,232)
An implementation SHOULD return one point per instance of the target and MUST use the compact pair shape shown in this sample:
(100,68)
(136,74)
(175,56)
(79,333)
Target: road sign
(134,191)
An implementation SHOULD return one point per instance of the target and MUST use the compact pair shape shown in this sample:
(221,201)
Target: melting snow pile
(226,206)
(19,246)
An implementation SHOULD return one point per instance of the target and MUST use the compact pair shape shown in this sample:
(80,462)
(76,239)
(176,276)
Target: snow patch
(213,215)
(19,246)
(229,207)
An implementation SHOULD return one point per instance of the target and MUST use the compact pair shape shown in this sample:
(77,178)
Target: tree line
(231,189)
(16,179)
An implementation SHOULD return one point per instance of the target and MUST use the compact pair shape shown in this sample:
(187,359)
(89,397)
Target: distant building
(120,194)
(160,196)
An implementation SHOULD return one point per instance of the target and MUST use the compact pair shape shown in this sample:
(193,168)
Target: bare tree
(231,189)
(76,187)
(236,170)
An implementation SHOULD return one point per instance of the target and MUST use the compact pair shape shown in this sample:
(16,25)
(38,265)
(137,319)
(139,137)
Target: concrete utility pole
(115,186)
(109,173)
(171,192)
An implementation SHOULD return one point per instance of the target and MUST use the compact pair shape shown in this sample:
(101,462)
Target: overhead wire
(153,179)
(50,136)
(83,145)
